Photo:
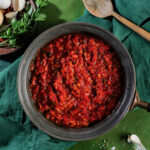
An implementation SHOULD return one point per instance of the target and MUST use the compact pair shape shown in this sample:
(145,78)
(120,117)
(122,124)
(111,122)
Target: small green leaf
(12,42)
(8,31)
(41,3)
(40,17)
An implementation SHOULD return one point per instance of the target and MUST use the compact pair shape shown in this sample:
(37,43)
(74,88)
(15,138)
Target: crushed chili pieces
(76,80)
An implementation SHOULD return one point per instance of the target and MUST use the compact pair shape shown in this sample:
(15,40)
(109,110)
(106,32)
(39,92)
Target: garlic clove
(21,5)
(1,17)
(15,4)
(136,141)
(11,15)
(18,5)
(4,4)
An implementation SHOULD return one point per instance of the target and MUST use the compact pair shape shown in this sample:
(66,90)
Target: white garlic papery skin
(4,4)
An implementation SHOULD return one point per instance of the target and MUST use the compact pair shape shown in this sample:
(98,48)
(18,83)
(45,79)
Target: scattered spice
(103,145)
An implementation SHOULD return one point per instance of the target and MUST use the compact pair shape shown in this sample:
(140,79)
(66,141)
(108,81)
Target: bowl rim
(61,132)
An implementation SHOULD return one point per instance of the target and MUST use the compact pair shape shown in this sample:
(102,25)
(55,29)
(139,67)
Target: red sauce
(76,80)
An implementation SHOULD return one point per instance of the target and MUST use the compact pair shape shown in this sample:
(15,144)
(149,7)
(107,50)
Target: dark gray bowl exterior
(93,131)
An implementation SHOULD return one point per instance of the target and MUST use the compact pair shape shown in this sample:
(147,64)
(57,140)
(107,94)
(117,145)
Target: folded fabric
(16,130)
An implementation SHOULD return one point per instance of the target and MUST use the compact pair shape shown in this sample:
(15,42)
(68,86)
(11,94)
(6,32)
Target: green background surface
(60,11)
(135,122)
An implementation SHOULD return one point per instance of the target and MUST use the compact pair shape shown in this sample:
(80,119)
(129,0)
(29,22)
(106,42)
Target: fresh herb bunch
(21,29)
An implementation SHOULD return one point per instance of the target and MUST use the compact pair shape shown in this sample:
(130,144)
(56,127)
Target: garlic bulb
(4,4)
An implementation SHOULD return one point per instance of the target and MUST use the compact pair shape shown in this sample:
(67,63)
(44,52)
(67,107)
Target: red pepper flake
(76,80)
(1,40)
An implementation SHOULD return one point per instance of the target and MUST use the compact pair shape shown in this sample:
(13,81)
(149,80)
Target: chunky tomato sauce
(76,80)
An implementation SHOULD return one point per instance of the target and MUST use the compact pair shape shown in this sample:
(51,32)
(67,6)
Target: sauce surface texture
(76,80)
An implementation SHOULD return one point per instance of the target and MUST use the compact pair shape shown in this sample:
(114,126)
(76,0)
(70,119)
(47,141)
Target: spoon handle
(137,102)
(134,27)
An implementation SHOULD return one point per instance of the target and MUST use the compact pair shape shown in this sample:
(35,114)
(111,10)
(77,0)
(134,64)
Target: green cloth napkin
(16,130)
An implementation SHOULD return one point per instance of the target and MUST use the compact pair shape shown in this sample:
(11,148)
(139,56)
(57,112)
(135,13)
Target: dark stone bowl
(72,134)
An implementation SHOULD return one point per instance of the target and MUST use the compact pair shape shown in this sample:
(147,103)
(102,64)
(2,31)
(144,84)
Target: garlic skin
(4,4)
(1,17)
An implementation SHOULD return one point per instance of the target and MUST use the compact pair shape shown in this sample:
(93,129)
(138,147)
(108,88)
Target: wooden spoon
(104,8)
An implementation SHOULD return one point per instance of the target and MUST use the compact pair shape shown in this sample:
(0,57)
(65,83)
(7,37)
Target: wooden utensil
(104,8)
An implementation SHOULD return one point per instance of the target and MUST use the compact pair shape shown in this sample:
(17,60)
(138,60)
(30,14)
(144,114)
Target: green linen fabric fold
(16,130)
